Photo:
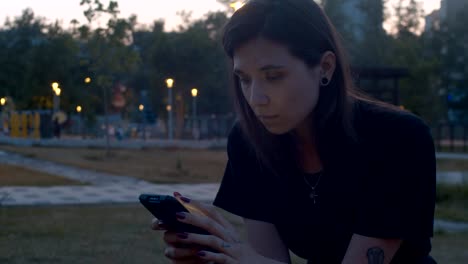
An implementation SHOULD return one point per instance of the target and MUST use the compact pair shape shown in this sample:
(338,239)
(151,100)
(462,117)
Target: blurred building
(449,9)
(446,14)
(455,88)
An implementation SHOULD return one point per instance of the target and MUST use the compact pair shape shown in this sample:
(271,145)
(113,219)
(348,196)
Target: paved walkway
(104,188)
(112,193)
(447,155)
(73,173)
(123,144)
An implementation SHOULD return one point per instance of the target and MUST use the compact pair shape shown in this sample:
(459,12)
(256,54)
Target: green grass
(158,165)
(450,248)
(455,149)
(17,176)
(457,211)
(101,234)
(452,165)
(119,234)
(452,202)
(154,165)
(450,193)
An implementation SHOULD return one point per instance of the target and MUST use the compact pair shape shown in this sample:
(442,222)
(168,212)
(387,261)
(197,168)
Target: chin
(277,130)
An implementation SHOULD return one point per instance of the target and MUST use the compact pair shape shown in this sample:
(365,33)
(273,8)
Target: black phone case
(165,207)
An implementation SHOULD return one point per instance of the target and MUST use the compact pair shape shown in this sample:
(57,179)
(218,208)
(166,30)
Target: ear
(327,65)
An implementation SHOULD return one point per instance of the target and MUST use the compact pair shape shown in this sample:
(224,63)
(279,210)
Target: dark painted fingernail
(177,194)
(185,199)
(182,235)
(180,215)
(201,253)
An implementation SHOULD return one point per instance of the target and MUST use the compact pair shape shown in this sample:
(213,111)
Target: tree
(408,17)
(372,48)
(32,56)
(110,57)
(335,11)
(419,92)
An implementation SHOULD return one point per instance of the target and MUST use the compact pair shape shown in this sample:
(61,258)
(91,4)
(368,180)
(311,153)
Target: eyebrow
(264,68)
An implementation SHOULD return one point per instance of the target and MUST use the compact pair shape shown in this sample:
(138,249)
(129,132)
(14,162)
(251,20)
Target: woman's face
(281,89)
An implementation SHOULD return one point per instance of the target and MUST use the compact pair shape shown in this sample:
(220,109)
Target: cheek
(302,98)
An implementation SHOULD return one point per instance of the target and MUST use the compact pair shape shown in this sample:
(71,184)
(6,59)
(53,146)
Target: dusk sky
(146,10)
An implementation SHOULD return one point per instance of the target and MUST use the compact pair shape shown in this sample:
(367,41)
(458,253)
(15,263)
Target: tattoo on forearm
(375,255)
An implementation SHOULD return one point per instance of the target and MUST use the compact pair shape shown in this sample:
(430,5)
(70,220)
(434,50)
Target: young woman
(313,167)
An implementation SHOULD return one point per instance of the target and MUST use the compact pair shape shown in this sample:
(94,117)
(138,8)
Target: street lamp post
(170,84)
(3,102)
(141,107)
(57,91)
(195,132)
(78,110)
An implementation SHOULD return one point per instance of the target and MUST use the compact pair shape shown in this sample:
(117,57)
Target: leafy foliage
(33,54)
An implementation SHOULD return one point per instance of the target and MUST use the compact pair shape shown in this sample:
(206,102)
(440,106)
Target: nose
(257,96)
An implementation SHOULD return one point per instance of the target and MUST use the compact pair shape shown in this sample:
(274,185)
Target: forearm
(266,260)
(371,250)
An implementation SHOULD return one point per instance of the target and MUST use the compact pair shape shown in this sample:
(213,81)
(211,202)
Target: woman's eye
(244,81)
(274,76)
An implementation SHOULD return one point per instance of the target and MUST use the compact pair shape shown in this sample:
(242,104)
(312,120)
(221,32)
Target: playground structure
(27,124)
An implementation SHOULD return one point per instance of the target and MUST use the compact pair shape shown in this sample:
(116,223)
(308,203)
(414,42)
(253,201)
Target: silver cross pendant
(313,195)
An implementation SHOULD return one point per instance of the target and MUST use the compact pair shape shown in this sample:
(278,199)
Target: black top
(383,187)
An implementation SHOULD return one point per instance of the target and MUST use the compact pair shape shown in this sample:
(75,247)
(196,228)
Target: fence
(204,127)
(448,137)
(452,137)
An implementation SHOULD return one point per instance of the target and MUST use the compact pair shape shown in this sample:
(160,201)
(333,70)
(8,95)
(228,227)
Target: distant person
(119,133)
(314,166)
(56,127)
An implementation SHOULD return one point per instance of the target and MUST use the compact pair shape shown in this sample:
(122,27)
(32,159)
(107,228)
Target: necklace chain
(312,194)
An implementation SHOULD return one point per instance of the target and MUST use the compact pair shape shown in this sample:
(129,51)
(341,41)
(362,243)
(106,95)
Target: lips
(267,117)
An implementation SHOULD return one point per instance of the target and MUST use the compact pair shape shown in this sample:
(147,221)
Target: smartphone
(165,207)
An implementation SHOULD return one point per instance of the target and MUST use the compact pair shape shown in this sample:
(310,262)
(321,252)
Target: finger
(209,241)
(157,224)
(207,224)
(181,254)
(218,258)
(172,238)
(206,209)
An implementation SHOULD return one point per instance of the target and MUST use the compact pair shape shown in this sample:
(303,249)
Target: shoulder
(375,122)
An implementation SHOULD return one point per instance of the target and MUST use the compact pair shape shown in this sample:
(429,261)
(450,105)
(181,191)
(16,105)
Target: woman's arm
(371,250)
(264,238)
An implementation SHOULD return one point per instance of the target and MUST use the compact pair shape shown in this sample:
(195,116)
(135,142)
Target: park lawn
(11,175)
(158,165)
(455,211)
(452,202)
(452,165)
(154,165)
(119,234)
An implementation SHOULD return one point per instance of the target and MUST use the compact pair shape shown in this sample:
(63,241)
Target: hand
(224,237)
(175,252)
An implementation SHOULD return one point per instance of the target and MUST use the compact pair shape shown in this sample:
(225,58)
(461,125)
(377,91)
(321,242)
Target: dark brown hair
(302,27)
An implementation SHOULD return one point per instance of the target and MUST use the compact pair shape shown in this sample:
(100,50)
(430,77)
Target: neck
(307,148)
(304,133)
